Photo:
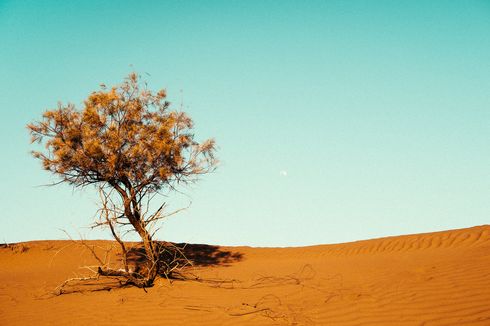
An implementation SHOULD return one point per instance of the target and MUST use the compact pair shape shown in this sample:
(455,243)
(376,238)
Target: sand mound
(440,278)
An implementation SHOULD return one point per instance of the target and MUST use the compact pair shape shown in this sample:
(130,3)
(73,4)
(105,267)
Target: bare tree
(126,141)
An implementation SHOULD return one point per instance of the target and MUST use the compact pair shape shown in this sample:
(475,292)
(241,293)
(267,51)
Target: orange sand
(428,279)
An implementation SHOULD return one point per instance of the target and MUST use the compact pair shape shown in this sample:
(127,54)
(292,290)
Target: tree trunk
(132,213)
(151,251)
(152,256)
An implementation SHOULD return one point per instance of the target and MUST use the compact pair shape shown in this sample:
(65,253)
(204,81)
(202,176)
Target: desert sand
(440,278)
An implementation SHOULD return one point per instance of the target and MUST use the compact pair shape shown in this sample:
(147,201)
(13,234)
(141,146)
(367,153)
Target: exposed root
(172,263)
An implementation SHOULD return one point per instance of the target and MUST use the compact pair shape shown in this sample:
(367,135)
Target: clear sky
(336,120)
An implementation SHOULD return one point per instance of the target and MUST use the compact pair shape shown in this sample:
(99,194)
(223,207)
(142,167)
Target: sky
(336,120)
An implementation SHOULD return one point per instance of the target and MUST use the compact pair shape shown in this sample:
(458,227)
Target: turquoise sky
(336,120)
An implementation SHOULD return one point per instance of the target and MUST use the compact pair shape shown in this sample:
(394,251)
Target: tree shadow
(184,254)
(208,255)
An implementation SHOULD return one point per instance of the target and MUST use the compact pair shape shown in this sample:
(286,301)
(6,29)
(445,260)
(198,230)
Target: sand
(440,278)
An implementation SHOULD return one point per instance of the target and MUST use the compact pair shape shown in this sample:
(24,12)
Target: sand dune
(440,278)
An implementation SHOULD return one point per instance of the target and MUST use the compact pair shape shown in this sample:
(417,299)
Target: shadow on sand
(207,255)
(197,255)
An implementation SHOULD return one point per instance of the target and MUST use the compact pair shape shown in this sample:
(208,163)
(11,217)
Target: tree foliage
(126,139)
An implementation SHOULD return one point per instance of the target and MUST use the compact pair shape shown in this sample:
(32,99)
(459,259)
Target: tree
(126,141)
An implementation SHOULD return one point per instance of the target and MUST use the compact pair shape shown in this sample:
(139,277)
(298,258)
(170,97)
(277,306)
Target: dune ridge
(433,240)
(439,278)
